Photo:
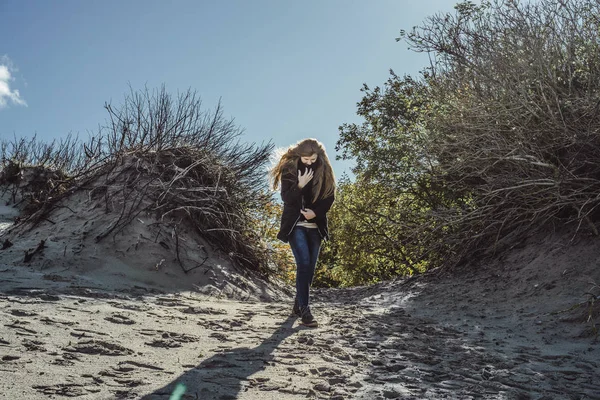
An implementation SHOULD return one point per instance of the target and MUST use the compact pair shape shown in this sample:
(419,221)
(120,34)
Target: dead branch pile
(32,186)
(158,157)
(180,187)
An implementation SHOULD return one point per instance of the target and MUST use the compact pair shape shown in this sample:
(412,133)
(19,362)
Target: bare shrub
(62,154)
(165,157)
(516,135)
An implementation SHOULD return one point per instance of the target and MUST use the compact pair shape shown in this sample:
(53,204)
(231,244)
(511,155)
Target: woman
(307,190)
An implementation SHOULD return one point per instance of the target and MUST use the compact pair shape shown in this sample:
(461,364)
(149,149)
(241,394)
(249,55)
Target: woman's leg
(299,242)
(314,246)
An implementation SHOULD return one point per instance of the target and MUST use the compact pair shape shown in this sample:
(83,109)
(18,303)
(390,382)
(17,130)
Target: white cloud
(8,95)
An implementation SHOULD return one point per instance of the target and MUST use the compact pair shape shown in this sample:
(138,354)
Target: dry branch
(158,155)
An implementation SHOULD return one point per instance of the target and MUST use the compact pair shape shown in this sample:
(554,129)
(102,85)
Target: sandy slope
(509,328)
(516,327)
(142,253)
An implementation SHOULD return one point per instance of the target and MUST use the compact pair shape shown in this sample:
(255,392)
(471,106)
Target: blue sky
(285,70)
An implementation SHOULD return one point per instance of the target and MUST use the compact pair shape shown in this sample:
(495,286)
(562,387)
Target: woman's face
(309,160)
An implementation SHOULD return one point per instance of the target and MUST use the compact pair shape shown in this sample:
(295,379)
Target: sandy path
(59,338)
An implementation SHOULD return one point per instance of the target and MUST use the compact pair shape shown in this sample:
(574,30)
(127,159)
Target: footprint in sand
(99,347)
(22,313)
(65,389)
(119,319)
(123,375)
(169,339)
(203,310)
(130,306)
(220,337)
(33,345)
(169,302)
(20,329)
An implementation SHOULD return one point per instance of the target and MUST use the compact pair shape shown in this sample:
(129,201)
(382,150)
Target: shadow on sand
(225,375)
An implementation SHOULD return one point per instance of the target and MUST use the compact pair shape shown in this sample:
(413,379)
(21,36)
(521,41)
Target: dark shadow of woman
(222,375)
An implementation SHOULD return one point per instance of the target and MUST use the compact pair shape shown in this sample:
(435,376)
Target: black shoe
(307,317)
(296,308)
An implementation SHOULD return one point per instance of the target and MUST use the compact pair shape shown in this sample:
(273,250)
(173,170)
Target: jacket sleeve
(290,192)
(323,205)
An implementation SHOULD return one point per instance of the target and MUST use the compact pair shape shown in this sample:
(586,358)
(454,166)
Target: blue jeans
(305,244)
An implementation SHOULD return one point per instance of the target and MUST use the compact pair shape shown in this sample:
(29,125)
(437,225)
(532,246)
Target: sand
(102,321)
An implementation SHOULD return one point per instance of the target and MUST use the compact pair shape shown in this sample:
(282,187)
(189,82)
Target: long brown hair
(323,182)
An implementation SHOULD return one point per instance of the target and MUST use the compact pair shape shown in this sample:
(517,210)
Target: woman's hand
(308,213)
(303,179)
